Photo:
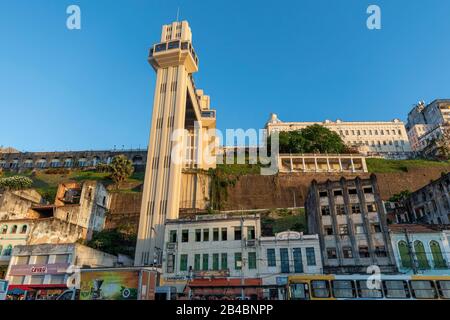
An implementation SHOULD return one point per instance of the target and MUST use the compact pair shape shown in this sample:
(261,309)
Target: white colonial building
(424,248)
(385,138)
(285,254)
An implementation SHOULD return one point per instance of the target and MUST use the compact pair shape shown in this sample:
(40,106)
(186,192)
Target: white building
(285,254)
(425,246)
(427,123)
(386,138)
(44,270)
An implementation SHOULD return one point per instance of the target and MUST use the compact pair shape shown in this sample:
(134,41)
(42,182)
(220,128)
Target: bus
(362,287)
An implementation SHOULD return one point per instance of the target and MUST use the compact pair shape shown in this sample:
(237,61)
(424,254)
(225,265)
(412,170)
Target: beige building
(179,137)
(385,138)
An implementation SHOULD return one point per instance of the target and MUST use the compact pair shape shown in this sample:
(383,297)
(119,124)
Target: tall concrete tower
(177,107)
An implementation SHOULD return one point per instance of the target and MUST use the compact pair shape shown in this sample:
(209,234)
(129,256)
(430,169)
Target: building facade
(430,204)
(427,123)
(420,249)
(385,138)
(331,163)
(286,254)
(207,246)
(349,217)
(22,161)
(180,137)
(45,270)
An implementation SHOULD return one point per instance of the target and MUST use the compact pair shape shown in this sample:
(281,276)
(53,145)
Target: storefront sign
(25,270)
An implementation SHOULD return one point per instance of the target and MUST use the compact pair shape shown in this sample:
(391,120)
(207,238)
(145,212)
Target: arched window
(438,259)
(14,229)
(4,229)
(7,251)
(24,229)
(421,255)
(404,255)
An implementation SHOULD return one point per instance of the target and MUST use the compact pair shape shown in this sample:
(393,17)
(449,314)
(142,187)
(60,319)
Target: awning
(28,287)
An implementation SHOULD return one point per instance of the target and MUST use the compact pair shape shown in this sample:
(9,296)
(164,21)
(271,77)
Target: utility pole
(412,256)
(242,257)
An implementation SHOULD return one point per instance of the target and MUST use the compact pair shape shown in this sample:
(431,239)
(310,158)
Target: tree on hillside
(121,168)
(312,139)
(443,145)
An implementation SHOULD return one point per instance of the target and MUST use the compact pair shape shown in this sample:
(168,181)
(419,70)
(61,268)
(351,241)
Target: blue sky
(306,60)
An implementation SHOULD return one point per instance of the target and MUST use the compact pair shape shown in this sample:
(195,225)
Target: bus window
(444,289)
(320,289)
(396,289)
(365,292)
(343,289)
(299,291)
(422,289)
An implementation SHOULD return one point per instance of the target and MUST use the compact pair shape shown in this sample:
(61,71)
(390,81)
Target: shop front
(35,292)
(225,289)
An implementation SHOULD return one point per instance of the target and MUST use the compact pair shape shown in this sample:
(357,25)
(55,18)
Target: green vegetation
(121,240)
(399,197)
(283,220)
(388,166)
(312,139)
(120,169)
(15,183)
(46,181)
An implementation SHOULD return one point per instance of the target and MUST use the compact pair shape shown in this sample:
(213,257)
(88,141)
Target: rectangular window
(320,289)
(371,207)
(215,261)
(205,264)
(340,209)
(197,258)
(41,259)
(352,191)
(284,257)
(298,264)
(216,234)
(271,259)
(252,260)
(356,208)
(396,289)
(323,194)
(325,210)
(328,230)
(224,261)
(198,235)
(205,234)
(170,263)
(173,236)
(444,288)
(224,234)
(343,289)
(185,236)
(37,280)
(250,233)
(381,251)
(310,256)
(337,193)
(17,279)
(21,260)
(365,292)
(331,253)
(359,229)
(238,261)
(62,258)
(368,190)
(183,262)
(347,252)
(58,279)
(376,228)
(237,233)
(422,289)
(364,252)
(343,230)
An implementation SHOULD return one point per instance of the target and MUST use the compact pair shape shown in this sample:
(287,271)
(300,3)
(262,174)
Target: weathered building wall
(54,231)
(15,204)
(124,208)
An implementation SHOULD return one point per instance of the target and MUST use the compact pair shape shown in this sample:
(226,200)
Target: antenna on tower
(178,13)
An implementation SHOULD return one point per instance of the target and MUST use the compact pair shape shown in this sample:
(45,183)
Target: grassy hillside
(387,166)
(46,182)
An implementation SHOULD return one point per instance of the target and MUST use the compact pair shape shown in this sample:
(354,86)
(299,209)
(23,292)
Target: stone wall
(55,231)
(15,204)
(290,190)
